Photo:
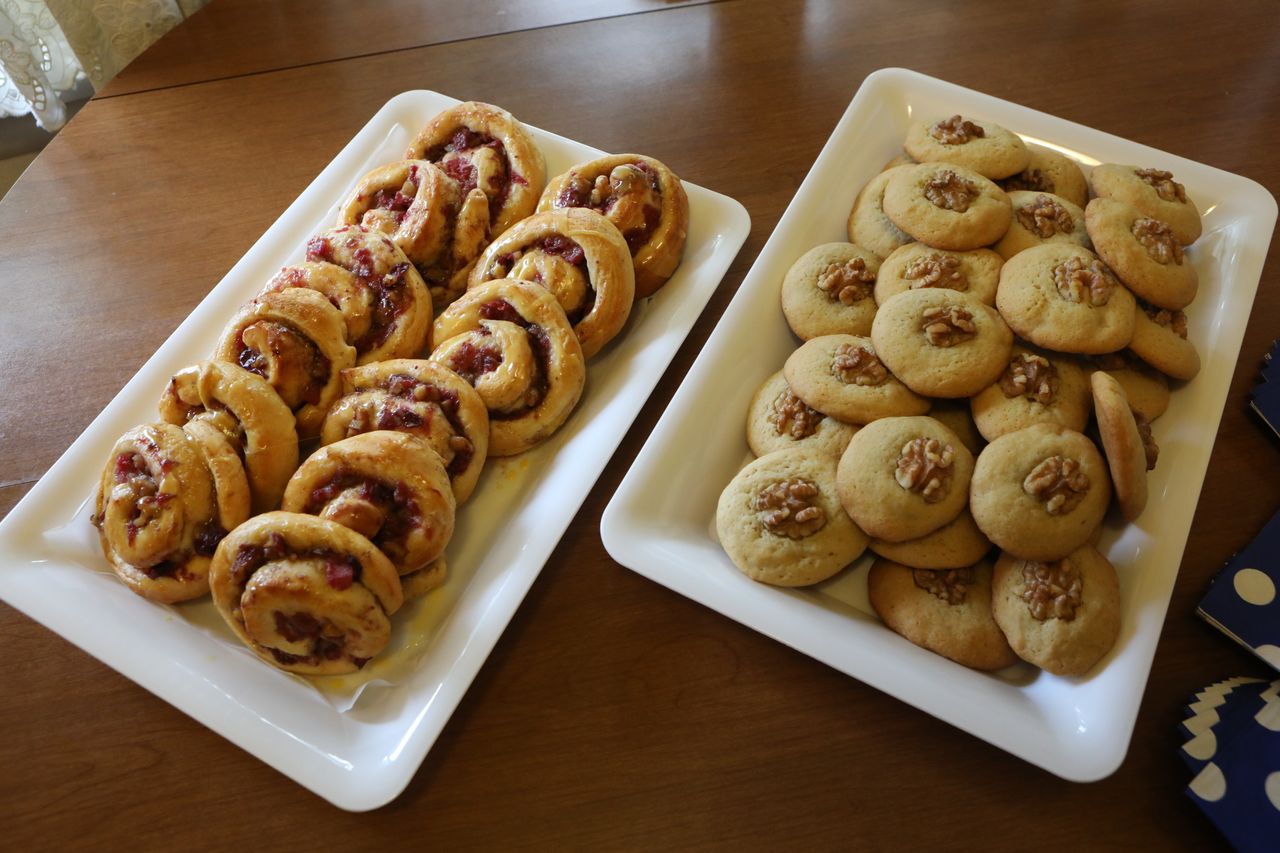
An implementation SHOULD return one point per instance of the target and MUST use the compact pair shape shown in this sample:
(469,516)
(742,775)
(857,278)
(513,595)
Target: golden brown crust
(580,257)
(1122,444)
(639,195)
(306,594)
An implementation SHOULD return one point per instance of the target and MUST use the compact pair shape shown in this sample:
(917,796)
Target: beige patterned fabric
(48,46)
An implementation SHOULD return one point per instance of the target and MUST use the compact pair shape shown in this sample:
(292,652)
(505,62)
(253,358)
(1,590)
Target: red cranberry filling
(540,343)
(319,249)
(393,200)
(299,626)
(129,465)
(208,537)
(471,362)
(175,567)
(564,247)
(397,501)
(461,171)
(340,572)
(317,364)
(501,309)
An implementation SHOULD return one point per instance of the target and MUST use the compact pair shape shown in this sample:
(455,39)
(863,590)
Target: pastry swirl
(423,399)
(248,412)
(306,594)
(387,486)
(391,314)
(295,339)
(511,340)
(165,499)
(484,147)
(639,195)
(580,257)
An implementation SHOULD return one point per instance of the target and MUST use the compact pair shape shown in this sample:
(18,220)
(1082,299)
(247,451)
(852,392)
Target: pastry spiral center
(498,360)
(566,281)
(286,358)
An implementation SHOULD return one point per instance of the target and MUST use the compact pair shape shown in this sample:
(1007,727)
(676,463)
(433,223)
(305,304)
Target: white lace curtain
(47,47)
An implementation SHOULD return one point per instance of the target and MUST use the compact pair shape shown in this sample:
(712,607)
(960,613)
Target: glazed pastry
(420,398)
(484,147)
(387,486)
(580,257)
(295,339)
(391,314)
(639,195)
(165,500)
(418,584)
(248,412)
(305,594)
(511,340)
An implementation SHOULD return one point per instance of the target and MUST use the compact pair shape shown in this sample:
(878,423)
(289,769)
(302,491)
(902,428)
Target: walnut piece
(947,325)
(1045,217)
(787,508)
(1149,446)
(1157,238)
(1175,321)
(924,466)
(1032,376)
(1090,282)
(950,585)
(949,191)
(847,283)
(1165,186)
(936,270)
(956,130)
(1032,180)
(1059,482)
(790,416)
(858,365)
(1051,590)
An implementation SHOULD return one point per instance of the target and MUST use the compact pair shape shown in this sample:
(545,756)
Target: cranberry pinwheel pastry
(512,341)
(388,312)
(296,340)
(166,498)
(580,257)
(643,198)
(423,399)
(248,412)
(426,214)
(306,594)
(484,147)
(387,486)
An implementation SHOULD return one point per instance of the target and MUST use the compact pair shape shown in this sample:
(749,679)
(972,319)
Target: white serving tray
(356,754)
(1076,728)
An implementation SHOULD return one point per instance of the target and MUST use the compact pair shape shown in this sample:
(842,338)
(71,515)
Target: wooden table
(613,713)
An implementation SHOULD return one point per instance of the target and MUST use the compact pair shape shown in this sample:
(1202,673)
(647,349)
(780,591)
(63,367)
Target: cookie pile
(446,319)
(979,368)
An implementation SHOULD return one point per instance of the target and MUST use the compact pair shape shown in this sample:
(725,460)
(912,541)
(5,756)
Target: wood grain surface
(613,713)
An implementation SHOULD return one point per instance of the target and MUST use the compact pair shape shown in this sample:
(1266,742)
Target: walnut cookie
(868,225)
(903,478)
(842,377)
(947,206)
(1143,252)
(954,545)
(1160,339)
(916,266)
(1050,172)
(1152,191)
(828,291)
(778,419)
(1146,389)
(1040,218)
(1040,492)
(1125,445)
(1062,616)
(983,146)
(781,523)
(941,343)
(947,612)
(1035,387)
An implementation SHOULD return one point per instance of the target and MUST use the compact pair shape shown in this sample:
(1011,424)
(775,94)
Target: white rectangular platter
(358,753)
(1076,728)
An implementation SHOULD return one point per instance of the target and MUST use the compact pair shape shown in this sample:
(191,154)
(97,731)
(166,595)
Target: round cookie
(1143,252)
(1123,444)
(828,291)
(1039,492)
(868,226)
(1061,297)
(955,545)
(1160,339)
(1049,171)
(916,266)
(778,419)
(941,343)
(947,612)
(955,416)
(841,377)
(983,146)
(1062,616)
(1035,387)
(780,520)
(1152,191)
(946,206)
(903,478)
(1040,218)
(902,159)
(1146,389)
